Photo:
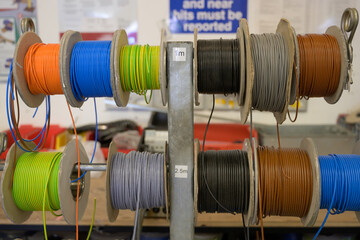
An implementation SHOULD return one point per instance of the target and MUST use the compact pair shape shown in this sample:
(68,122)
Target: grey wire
(137,182)
(271,65)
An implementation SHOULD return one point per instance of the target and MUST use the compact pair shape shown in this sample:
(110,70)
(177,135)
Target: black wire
(218,66)
(202,180)
(227,175)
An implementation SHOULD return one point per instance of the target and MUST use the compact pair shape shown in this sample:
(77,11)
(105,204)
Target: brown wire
(320,65)
(285,182)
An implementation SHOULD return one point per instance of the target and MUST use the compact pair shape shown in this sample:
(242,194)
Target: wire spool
(66,196)
(141,178)
(297,170)
(223,181)
(323,59)
(228,73)
(339,184)
(356,150)
(273,56)
(141,68)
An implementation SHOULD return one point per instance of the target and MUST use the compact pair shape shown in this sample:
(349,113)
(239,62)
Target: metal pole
(181,138)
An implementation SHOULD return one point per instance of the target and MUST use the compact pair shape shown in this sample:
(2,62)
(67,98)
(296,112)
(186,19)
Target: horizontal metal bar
(83,167)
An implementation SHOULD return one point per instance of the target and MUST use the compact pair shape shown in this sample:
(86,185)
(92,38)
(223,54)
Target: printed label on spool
(179,54)
(181,171)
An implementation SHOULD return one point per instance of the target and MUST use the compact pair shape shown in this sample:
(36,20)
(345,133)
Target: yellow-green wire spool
(139,69)
(36,176)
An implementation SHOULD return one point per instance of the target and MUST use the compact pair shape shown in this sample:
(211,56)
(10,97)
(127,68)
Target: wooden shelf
(126,218)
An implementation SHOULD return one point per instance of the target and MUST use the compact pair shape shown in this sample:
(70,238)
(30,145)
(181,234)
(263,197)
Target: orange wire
(41,68)
(78,182)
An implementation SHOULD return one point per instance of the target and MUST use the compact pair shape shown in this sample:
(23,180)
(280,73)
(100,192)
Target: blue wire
(90,70)
(41,134)
(96,130)
(340,188)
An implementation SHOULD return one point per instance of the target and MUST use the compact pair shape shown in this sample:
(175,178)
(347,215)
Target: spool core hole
(73,185)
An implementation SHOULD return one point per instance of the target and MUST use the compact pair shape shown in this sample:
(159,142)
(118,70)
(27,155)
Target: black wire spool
(223,181)
(218,66)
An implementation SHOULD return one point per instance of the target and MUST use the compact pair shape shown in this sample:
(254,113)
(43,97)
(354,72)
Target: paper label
(181,171)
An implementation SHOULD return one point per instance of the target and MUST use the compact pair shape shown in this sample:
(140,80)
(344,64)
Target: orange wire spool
(320,65)
(41,68)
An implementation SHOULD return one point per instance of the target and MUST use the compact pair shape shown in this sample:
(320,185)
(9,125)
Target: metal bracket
(27,25)
(349,22)
(3,142)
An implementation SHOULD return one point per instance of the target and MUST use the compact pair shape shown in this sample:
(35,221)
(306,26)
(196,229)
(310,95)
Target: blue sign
(208,16)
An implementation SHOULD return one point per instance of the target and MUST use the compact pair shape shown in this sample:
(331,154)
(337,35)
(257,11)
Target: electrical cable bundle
(41,68)
(340,188)
(35,183)
(224,181)
(320,65)
(285,182)
(218,66)
(139,69)
(90,70)
(271,64)
(13,120)
(137,180)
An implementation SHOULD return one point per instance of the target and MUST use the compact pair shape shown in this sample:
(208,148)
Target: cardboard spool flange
(309,219)
(67,202)
(356,150)
(285,29)
(249,72)
(12,212)
(112,213)
(119,40)
(296,74)
(67,43)
(196,186)
(337,33)
(240,97)
(253,219)
(249,214)
(195,72)
(162,69)
(25,41)
(166,180)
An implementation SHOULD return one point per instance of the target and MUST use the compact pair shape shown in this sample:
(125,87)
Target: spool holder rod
(98,167)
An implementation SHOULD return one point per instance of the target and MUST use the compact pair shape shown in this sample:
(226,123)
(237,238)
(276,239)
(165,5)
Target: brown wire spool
(289,182)
(323,59)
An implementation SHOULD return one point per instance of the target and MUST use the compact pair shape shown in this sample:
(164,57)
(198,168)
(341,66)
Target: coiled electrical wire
(90,70)
(285,182)
(340,188)
(271,64)
(218,66)
(137,180)
(228,179)
(320,65)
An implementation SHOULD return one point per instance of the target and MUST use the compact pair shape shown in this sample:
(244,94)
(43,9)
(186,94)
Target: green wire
(36,176)
(35,183)
(139,69)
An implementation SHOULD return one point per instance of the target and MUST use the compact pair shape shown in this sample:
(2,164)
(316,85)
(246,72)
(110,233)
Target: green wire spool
(29,177)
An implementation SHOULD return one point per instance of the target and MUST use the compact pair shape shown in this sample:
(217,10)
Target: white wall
(152,16)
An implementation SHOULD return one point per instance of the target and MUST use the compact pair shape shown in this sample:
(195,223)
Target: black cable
(227,174)
(218,66)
